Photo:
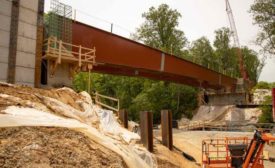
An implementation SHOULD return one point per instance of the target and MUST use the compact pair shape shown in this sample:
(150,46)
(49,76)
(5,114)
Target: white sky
(199,18)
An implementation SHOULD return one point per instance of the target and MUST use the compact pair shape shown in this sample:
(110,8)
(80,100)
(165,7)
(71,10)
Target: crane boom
(236,39)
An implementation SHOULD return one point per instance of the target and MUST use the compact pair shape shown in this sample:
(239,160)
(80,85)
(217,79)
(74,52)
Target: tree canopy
(263,12)
(159,30)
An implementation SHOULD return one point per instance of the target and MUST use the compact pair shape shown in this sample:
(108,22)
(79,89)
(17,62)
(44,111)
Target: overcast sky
(199,18)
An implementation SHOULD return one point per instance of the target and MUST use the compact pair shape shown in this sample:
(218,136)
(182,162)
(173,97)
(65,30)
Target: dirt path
(52,147)
(191,142)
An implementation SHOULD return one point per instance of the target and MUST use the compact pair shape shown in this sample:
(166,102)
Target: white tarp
(18,116)
(110,134)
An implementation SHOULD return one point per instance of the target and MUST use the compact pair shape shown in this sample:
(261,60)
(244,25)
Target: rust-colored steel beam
(120,56)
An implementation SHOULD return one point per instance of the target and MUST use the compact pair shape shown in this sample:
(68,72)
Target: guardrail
(57,49)
(226,126)
(98,101)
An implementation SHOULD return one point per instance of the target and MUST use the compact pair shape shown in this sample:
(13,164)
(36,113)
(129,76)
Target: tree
(160,30)
(202,52)
(264,85)
(225,55)
(252,64)
(263,12)
(266,116)
(228,58)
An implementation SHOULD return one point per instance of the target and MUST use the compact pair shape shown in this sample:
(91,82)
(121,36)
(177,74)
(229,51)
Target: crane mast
(236,40)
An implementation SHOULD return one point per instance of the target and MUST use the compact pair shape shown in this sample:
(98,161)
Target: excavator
(235,152)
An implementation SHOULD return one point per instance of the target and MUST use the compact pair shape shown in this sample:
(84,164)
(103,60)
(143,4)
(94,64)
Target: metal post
(166,128)
(146,129)
(111,27)
(39,43)
(123,117)
(273,100)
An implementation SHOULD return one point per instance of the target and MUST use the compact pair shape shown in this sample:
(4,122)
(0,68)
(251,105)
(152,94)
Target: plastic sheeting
(52,112)
(17,116)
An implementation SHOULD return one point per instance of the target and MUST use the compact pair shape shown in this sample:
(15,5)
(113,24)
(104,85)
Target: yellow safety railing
(62,51)
(98,100)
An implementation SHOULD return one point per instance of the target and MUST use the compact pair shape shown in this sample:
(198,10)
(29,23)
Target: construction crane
(236,41)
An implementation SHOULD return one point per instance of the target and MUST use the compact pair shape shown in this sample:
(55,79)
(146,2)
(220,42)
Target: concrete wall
(227,99)
(26,40)
(61,76)
(5,20)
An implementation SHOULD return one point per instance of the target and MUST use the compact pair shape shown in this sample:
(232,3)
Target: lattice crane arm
(236,40)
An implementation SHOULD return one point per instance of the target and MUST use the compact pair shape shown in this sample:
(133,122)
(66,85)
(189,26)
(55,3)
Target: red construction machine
(235,152)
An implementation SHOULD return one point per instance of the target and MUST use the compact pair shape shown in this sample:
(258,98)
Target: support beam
(123,117)
(39,44)
(146,129)
(166,128)
(13,40)
(273,100)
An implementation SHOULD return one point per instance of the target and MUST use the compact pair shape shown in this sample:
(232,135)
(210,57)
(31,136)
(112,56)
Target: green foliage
(138,94)
(263,12)
(264,85)
(252,63)
(266,116)
(202,52)
(160,30)
(228,58)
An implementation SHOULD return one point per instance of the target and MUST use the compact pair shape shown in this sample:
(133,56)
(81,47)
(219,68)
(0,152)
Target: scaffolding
(60,21)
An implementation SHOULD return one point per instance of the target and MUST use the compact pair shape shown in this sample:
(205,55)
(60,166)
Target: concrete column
(13,40)
(273,103)
(146,129)
(123,117)
(166,128)
(5,18)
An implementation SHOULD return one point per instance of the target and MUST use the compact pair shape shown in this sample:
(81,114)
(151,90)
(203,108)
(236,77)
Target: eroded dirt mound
(52,147)
(65,95)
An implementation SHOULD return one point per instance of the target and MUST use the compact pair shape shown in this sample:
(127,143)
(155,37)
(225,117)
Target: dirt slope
(52,147)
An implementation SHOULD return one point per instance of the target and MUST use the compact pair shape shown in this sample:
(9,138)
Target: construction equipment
(235,151)
(236,41)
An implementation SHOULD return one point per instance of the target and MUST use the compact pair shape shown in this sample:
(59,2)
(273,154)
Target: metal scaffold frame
(60,21)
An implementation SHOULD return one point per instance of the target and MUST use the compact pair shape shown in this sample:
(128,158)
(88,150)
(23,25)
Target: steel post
(166,128)
(123,117)
(146,129)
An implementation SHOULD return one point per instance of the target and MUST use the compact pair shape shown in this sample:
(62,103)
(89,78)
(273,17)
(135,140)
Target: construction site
(46,121)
